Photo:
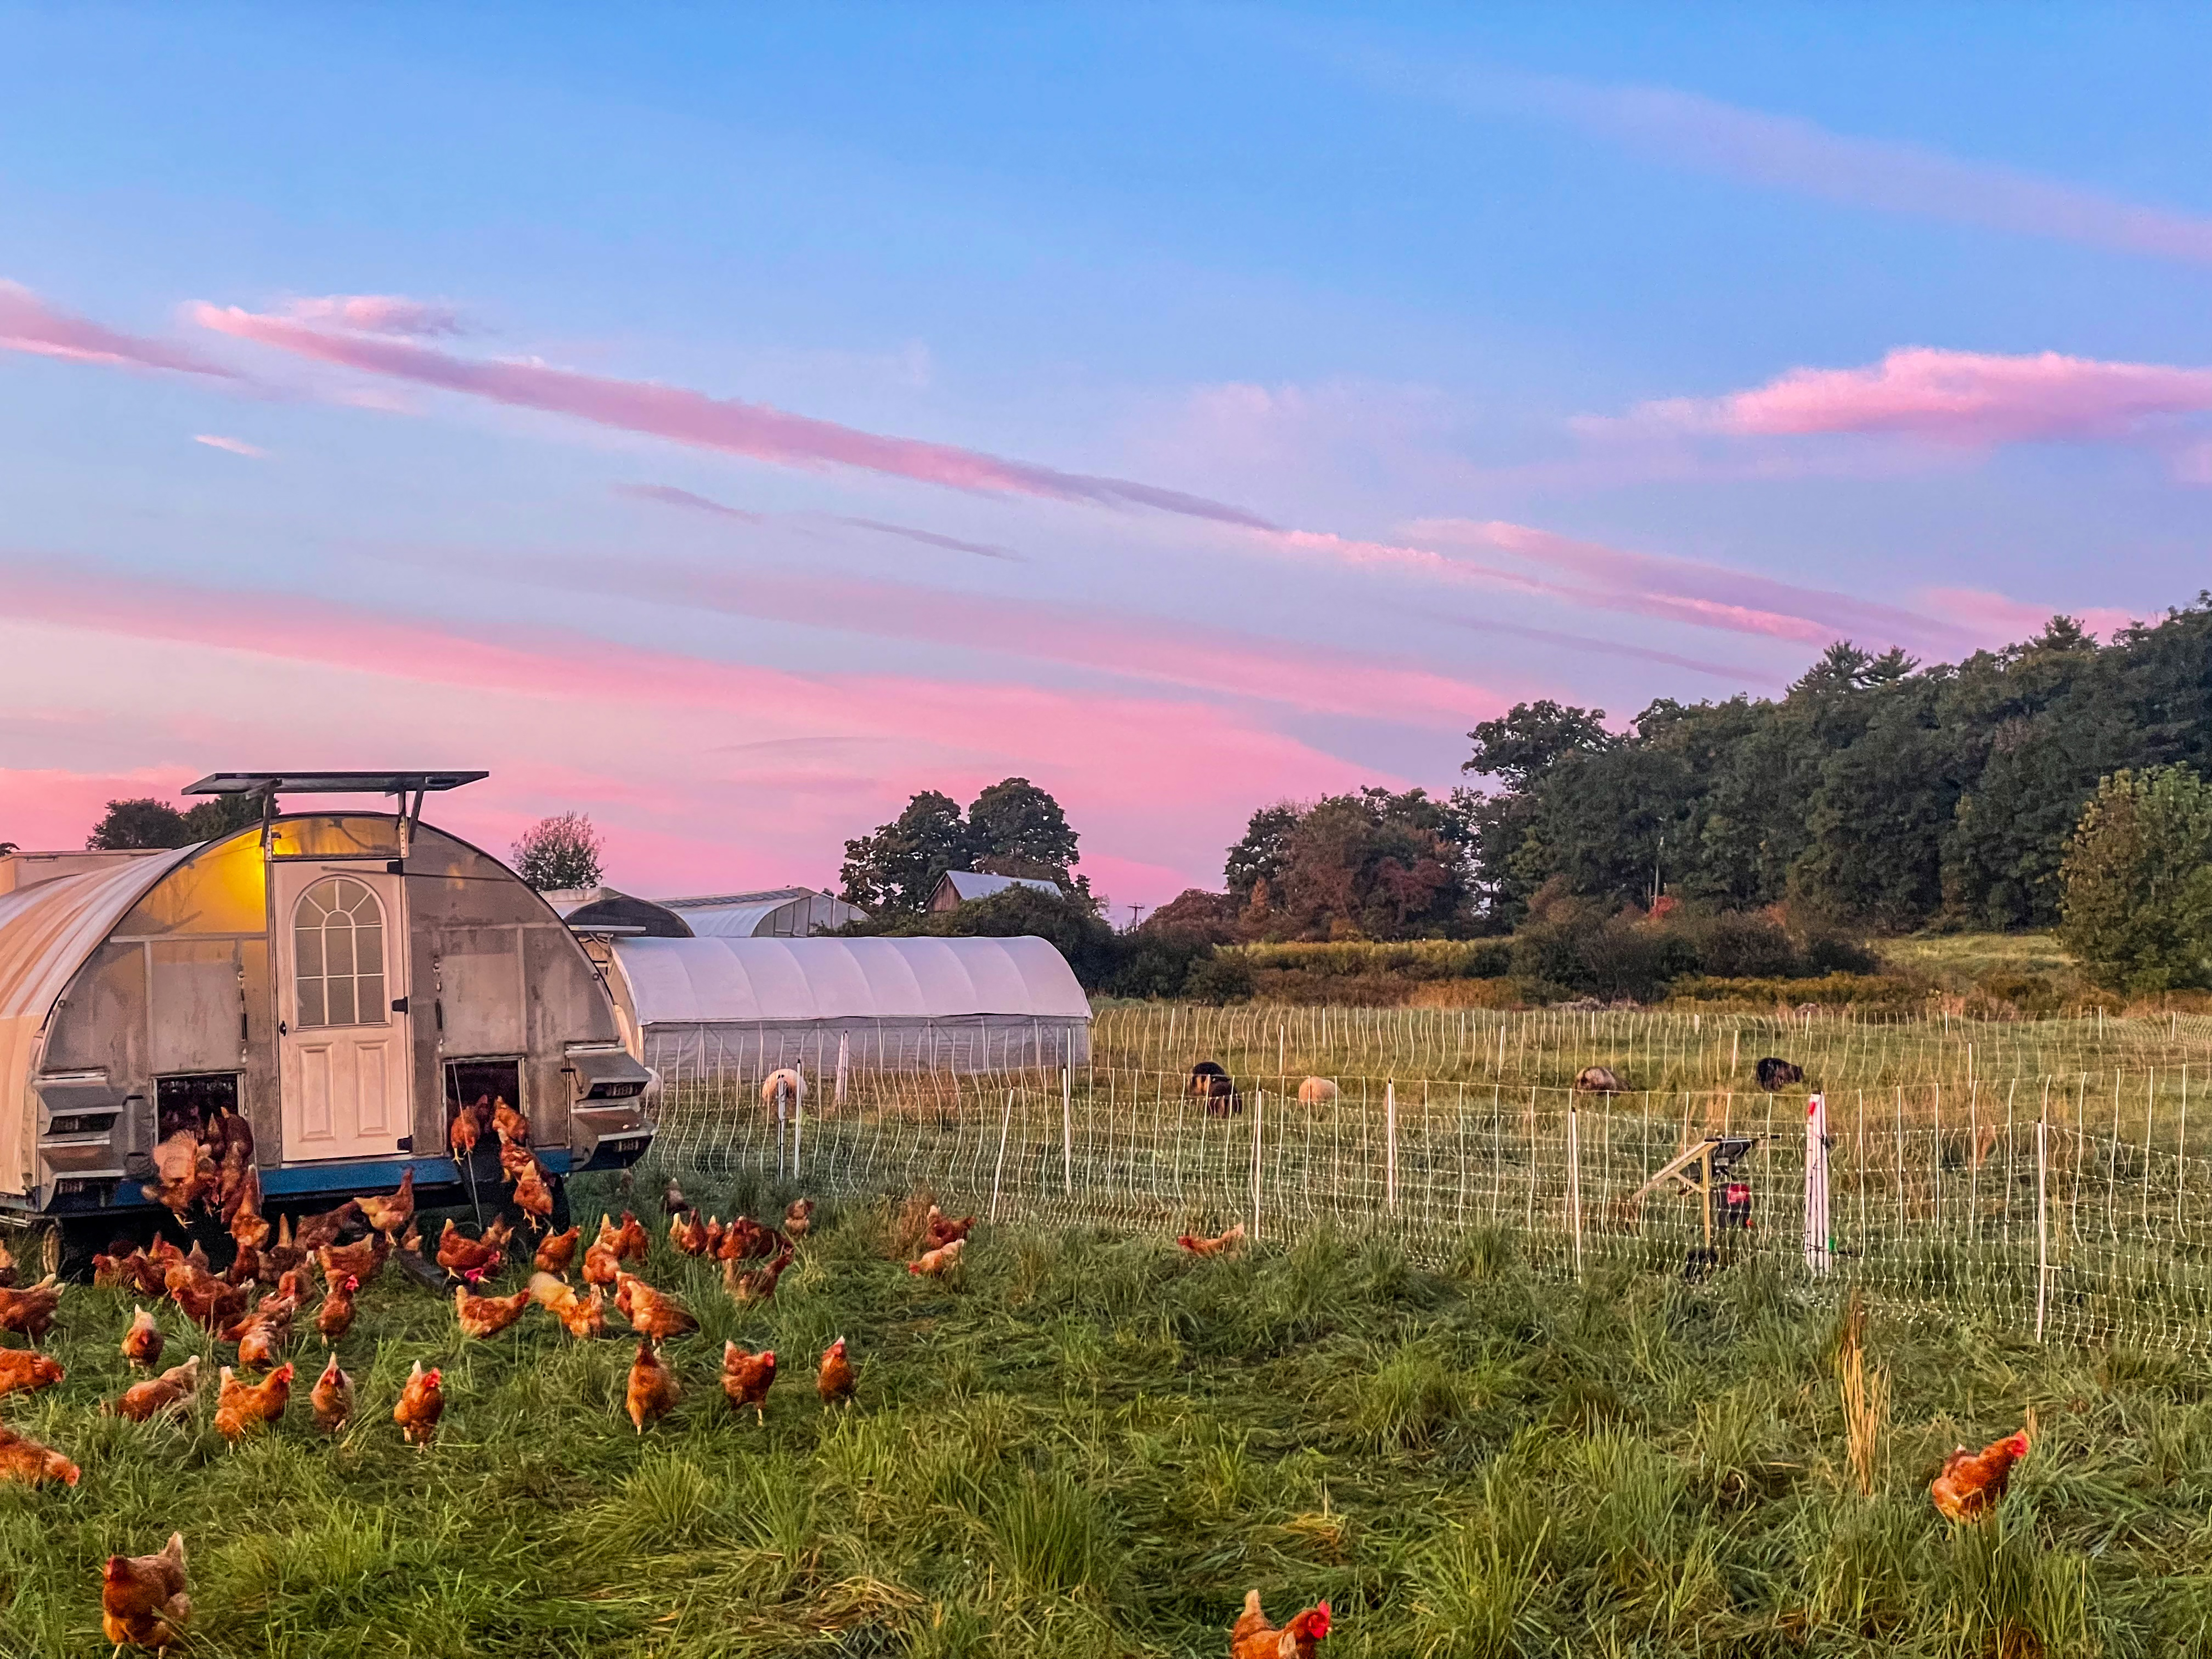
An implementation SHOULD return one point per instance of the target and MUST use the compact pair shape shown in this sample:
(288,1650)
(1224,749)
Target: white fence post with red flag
(1820,1244)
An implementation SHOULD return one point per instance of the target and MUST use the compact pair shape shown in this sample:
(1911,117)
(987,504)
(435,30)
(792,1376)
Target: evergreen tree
(2137,906)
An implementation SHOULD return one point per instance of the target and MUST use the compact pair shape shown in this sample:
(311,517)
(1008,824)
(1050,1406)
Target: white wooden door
(343,1051)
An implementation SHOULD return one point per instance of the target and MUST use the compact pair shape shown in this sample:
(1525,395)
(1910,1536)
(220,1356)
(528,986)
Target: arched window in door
(338,933)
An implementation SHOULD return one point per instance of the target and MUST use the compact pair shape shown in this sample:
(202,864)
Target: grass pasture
(1086,1445)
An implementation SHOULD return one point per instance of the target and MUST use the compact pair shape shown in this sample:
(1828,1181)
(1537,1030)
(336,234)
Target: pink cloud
(379,314)
(28,324)
(756,431)
(235,446)
(1967,397)
(757,761)
(1296,674)
(1795,154)
(1998,620)
(1629,583)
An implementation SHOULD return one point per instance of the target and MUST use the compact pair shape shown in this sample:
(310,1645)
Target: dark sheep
(1599,1080)
(1776,1075)
(1209,1084)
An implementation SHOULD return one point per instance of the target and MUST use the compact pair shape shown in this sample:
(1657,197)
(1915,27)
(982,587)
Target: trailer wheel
(50,1245)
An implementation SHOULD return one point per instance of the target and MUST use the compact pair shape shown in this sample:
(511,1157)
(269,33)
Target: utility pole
(1136,914)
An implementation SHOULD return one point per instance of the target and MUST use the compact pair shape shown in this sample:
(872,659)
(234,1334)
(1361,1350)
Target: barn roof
(975,885)
(724,980)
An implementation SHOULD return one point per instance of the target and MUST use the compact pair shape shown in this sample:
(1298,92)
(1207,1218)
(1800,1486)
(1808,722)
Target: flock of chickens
(144,1599)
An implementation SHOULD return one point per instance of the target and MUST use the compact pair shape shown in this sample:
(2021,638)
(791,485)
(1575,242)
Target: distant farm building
(746,1006)
(774,913)
(957,887)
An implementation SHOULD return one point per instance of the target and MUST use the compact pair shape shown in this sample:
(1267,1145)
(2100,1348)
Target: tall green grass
(1087,1445)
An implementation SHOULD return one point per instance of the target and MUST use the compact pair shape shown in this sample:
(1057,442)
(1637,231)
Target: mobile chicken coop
(344,981)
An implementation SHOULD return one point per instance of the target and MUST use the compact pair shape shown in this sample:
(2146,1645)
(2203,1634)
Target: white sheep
(1316,1091)
(784,1084)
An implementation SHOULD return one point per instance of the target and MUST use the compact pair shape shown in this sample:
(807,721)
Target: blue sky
(1595,354)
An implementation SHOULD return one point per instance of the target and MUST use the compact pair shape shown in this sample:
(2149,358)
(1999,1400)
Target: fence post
(1068,1130)
(1258,1119)
(1574,1182)
(844,1059)
(999,1168)
(1819,1242)
(798,1130)
(1390,1144)
(2042,1226)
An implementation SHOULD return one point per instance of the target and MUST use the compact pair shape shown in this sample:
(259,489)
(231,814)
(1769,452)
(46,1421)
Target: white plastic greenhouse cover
(713,980)
(47,932)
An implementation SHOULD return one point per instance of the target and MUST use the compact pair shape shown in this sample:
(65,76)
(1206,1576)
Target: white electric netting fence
(2060,1207)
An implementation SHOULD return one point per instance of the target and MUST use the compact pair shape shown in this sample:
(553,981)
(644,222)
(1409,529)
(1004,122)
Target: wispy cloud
(2002,621)
(379,314)
(1220,661)
(669,496)
(931,538)
(1787,153)
(758,431)
(28,324)
(1966,398)
(235,446)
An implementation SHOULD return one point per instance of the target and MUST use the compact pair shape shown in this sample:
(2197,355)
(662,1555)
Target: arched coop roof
(722,980)
(47,932)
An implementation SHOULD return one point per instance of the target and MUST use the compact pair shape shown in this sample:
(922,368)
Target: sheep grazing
(1209,1084)
(1776,1075)
(785,1082)
(1599,1080)
(1316,1091)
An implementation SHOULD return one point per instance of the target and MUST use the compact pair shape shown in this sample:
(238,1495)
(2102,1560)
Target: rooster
(459,1254)
(654,1313)
(533,1197)
(178,1386)
(938,1231)
(1227,1243)
(422,1403)
(241,1408)
(759,1284)
(746,1378)
(487,1316)
(689,1236)
(332,1398)
(142,1343)
(1972,1483)
(363,1260)
(653,1390)
(31,1311)
(835,1382)
(1253,1638)
(602,1256)
(931,1264)
(24,1459)
(335,1317)
(583,1317)
(557,1251)
(184,1172)
(248,1227)
(390,1216)
(143,1603)
(797,1217)
(745,1239)
(509,1124)
(25,1371)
